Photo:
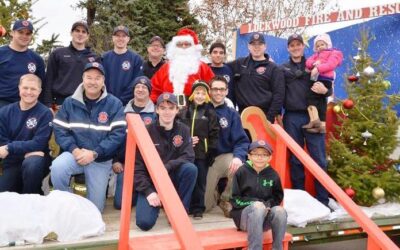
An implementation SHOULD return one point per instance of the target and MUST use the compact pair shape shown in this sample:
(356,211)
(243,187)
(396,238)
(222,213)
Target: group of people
(191,110)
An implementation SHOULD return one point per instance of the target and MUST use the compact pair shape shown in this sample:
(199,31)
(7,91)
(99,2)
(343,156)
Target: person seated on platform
(142,105)
(203,123)
(25,129)
(231,148)
(89,127)
(256,197)
(174,145)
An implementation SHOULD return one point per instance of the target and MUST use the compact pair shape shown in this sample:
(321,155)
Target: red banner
(338,16)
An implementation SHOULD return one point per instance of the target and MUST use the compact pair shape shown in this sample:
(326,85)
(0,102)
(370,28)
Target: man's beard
(182,63)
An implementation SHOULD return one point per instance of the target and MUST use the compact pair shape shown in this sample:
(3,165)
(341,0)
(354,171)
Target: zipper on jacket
(205,145)
(193,119)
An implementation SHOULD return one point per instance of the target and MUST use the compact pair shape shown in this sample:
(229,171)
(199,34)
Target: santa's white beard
(182,63)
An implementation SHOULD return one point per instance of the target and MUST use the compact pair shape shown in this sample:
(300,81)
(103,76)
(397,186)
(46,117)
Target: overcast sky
(59,15)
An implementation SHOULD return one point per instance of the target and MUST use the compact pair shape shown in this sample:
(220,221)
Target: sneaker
(226,208)
(197,216)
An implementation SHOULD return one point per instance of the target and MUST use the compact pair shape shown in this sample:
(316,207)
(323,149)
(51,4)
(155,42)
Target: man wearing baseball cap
(65,66)
(296,115)
(17,60)
(122,66)
(174,144)
(155,53)
(256,197)
(258,81)
(142,105)
(89,127)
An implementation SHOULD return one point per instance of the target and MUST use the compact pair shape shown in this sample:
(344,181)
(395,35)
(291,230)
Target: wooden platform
(213,220)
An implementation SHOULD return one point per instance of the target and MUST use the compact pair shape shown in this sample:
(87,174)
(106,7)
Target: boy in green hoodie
(256,197)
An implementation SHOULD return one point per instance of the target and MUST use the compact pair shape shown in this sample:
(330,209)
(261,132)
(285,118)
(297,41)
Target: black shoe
(198,216)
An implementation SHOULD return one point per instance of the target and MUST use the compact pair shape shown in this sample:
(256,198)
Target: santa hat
(325,38)
(187,35)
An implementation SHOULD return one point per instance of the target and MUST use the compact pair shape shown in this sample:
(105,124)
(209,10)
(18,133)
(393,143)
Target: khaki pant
(218,170)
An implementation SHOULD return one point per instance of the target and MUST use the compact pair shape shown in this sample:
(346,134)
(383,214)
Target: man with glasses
(155,60)
(257,80)
(16,60)
(65,66)
(184,67)
(231,148)
(121,65)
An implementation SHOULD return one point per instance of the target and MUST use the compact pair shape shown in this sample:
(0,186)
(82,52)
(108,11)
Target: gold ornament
(386,84)
(378,193)
(337,109)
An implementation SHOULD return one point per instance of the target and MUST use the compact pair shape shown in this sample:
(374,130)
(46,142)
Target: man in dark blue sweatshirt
(122,66)
(17,60)
(65,66)
(231,148)
(25,129)
(217,53)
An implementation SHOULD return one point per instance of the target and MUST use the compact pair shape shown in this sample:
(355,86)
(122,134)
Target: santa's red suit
(161,83)
(183,68)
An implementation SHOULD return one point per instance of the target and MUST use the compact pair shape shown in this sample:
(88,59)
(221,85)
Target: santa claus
(183,68)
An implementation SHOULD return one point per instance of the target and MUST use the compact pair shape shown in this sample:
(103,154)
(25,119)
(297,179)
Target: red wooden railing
(138,136)
(254,120)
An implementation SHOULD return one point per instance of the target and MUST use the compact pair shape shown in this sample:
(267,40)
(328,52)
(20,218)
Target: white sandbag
(379,210)
(31,217)
(302,208)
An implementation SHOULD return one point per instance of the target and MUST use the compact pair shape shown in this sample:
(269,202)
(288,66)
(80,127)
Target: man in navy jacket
(231,149)
(89,127)
(25,129)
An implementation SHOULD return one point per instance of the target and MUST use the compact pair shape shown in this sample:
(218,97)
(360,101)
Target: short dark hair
(218,78)
(217,45)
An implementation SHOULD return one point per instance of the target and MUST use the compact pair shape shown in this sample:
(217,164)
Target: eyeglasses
(218,89)
(183,44)
(260,155)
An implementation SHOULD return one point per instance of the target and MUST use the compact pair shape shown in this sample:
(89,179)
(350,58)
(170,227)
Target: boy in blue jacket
(256,197)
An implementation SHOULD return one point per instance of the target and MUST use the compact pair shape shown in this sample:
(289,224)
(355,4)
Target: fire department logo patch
(103,117)
(31,123)
(261,70)
(91,59)
(31,67)
(126,65)
(25,23)
(223,122)
(177,140)
(147,120)
(256,36)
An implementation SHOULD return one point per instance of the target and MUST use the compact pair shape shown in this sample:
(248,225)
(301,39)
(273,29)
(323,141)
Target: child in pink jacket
(322,65)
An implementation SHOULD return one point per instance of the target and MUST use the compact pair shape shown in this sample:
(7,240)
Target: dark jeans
(118,192)
(197,204)
(318,100)
(184,179)
(293,122)
(24,176)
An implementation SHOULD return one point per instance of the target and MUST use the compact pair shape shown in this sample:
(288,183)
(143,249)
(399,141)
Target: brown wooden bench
(210,240)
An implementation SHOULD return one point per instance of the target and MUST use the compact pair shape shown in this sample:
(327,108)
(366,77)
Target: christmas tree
(360,147)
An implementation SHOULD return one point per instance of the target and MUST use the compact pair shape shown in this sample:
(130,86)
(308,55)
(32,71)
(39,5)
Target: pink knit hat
(325,38)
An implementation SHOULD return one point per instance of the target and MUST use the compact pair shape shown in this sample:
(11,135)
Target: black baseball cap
(94,65)
(257,37)
(157,38)
(295,37)
(23,24)
(260,144)
(121,28)
(169,97)
(80,23)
